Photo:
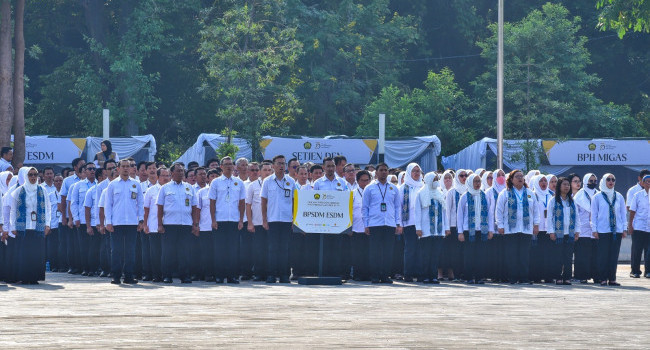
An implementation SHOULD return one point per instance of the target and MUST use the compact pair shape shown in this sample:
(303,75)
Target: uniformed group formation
(232,221)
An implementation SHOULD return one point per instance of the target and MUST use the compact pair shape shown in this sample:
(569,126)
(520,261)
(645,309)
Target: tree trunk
(19,85)
(6,89)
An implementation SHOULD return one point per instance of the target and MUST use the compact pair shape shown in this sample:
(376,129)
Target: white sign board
(598,152)
(51,150)
(357,151)
(322,211)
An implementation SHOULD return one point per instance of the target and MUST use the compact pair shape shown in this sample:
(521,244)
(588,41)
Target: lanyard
(360,193)
(519,198)
(383,195)
(282,181)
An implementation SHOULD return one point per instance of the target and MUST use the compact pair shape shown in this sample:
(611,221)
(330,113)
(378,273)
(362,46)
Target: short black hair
(141,163)
(108,161)
(192,165)
(175,165)
(643,173)
(47,168)
(338,159)
(188,171)
(293,160)
(363,172)
(161,169)
(382,164)
(210,161)
(99,172)
(160,164)
(277,157)
(329,159)
(315,167)
(213,171)
(76,161)
(148,164)
(198,168)
(5,150)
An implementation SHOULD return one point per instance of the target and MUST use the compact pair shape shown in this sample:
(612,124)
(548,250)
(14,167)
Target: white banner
(322,211)
(52,150)
(357,151)
(598,152)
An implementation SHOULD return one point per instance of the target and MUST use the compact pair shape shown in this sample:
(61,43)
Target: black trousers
(360,256)
(31,256)
(346,255)
(123,249)
(83,241)
(397,265)
(411,252)
(640,245)
(94,250)
(226,250)
(474,258)
(206,240)
(452,254)
(278,249)
(176,241)
(609,247)
(563,260)
(246,251)
(431,247)
(382,240)
(155,254)
(585,258)
(52,249)
(11,262)
(145,252)
(105,252)
(261,251)
(542,258)
(72,241)
(517,250)
(497,258)
(196,269)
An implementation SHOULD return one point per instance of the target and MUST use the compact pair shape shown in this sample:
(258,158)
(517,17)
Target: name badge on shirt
(134,195)
(187,202)
(287,193)
(33,216)
(382,206)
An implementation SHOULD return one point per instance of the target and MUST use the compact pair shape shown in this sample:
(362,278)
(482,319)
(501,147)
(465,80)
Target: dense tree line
(288,67)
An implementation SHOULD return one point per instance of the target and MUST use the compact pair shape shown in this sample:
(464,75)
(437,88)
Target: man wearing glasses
(293,168)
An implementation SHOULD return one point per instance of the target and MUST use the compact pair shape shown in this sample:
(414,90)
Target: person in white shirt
(245,237)
(316,172)
(609,224)
(145,245)
(518,220)
(6,156)
(381,211)
(475,227)
(292,168)
(277,215)
(340,162)
(496,256)
(431,226)
(90,214)
(52,240)
(124,217)
(227,192)
(302,180)
(360,241)
(177,221)
(408,191)
(639,225)
(629,198)
(110,172)
(586,246)
(542,259)
(563,227)
(206,235)
(67,233)
(30,222)
(254,213)
(452,250)
(350,173)
(9,239)
(163,176)
(78,212)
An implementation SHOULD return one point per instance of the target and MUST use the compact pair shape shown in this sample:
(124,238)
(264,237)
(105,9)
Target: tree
(19,84)
(624,15)
(439,108)
(250,50)
(546,83)
(6,88)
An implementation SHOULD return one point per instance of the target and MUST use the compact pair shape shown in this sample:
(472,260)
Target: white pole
(382,136)
(106,125)
(500,88)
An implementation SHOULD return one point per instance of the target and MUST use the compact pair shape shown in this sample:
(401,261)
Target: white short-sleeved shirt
(357,212)
(150,202)
(227,192)
(124,202)
(177,200)
(203,198)
(279,195)
(253,198)
(640,204)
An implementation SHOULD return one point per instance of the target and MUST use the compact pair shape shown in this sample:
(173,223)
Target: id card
(382,206)
(134,195)
(58,214)
(187,202)
(33,216)
(287,193)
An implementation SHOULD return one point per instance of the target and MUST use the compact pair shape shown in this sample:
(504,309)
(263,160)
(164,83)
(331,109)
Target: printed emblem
(316,196)
(338,184)
(133,185)
(235,183)
(528,196)
(390,187)
(288,183)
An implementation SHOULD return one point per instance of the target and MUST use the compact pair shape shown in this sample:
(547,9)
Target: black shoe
(84,273)
(408,279)
(209,279)
(258,279)
(647,275)
(375,280)
(186,280)
(566,283)
(471,281)
(270,279)
(426,281)
(285,279)
(295,277)
(195,278)
(635,275)
(218,280)
(117,281)
(614,283)
(71,271)
(131,281)
(157,280)
(233,281)
(146,278)
(91,274)
(167,280)
(387,280)
(435,281)
(480,281)
(583,281)
(246,278)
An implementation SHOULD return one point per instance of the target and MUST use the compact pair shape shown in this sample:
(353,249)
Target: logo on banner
(317,196)
(592,146)
(307,145)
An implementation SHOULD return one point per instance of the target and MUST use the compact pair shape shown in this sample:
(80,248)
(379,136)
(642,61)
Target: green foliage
(624,15)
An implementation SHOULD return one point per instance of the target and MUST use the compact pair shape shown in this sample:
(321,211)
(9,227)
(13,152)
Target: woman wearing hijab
(392,179)
(609,224)
(452,249)
(496,255)
(11,248)
(431,226)
(408,192)
(586,245)
(518,220)
(30,221)
(529,177)
(563,224)
(541,250)
(105,154)
(552,183)
(475,222)
(486,180)
(479,172)
(447,181)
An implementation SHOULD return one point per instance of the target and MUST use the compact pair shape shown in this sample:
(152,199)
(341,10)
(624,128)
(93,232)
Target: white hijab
(29,187)
(530,176)
(495,184)
(408,179)
(400,178)
(3,181)
(479,171)
(431,190)
(484,183)
(581,197)
(548,179)
(470,185)
(459,187)
(538,190)
(22,175)
(610,192)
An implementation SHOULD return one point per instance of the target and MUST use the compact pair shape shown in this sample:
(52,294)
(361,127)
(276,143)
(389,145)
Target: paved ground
(80,312)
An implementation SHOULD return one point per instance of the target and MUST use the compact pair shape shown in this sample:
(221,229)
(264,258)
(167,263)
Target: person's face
(253,172)
(416,173)
(227,167)
(448,181)
(518,179)
(178,173)
(191,176)
(350,174)
(302,175)
(32,176)
(293,167)
(593,180)
(490,179)
(142,172)
(110,170)
(381,173)
(212,177)
(646,184)
(364,180)
(104,148)
(339,168)
(213,165)
(371,168)
(576,183)
(48,175)
(543,183)
(90,172)
(266,170)
(610,181)
(242,168)
(201,176)
(278,166)
(151,170)
(553,183)
(58,181)
(132,170)
(316,174)
(329,168)
(476,183)
(125,168)
(462,177)
(565,187)
(9,156)
(164,177)
(394,181)
(79,165)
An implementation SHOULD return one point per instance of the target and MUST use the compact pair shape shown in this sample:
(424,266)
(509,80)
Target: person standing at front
(124,216)
(563,226)
(382,219)
(227,193)
(177,222)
